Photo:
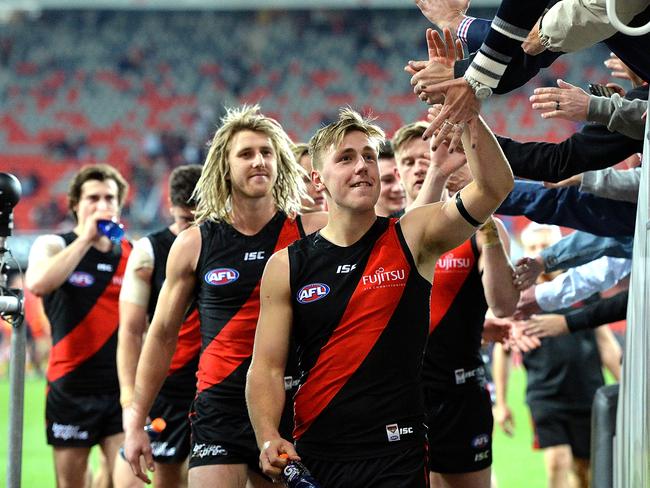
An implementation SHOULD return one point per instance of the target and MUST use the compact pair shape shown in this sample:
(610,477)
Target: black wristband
(464,213)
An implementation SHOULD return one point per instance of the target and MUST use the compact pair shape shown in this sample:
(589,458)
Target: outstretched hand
(532,45)
(443,13)
(450,139)
(565,102)
(526,272)
(439,67)
(461,106)
(622,71)
(547,325)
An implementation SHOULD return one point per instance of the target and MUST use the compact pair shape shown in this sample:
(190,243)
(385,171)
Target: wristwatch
(480,90)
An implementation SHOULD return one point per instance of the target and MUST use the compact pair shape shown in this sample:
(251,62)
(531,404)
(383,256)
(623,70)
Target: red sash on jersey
(365,318)
(452,269)
(234,343)
(86,339)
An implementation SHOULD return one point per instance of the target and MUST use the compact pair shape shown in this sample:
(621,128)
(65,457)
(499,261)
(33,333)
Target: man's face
(350,173)
(183,216)
(317,203)
(253,164)
(97,196)
(537,241)
(413,160)
(392,197)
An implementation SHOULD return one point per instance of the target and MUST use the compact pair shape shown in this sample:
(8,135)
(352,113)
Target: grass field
(515,463)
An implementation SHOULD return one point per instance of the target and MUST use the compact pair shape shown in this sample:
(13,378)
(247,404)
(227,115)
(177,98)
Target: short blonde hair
(331,135)
(213,190)
(407,133)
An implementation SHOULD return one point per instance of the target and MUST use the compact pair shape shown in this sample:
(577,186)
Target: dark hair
(386,150)
(99,172)
(181,185)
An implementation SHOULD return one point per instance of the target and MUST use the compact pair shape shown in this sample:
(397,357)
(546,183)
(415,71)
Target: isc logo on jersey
(221,276)
(313,292)
(81,279)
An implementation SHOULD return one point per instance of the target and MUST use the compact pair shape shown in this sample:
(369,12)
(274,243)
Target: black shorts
(221,437)
(406,469)
(81,420)
(173,443)
(553,428)
(460,426)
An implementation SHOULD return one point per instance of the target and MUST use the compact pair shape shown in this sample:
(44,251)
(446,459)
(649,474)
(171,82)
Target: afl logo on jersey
(81,279)
(481,441)
(221,276)
(313,292)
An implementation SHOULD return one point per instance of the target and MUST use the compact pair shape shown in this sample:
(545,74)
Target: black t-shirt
(564,373)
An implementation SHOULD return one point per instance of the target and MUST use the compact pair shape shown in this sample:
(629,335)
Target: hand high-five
(443,13)
(439,67)
(460,103)
(566,102)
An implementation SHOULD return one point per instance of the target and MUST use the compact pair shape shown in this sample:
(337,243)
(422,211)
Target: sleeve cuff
(575,321)
(599,110)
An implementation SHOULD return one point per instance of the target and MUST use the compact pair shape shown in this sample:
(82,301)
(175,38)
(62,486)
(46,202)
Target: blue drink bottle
(295,475)
(111,229)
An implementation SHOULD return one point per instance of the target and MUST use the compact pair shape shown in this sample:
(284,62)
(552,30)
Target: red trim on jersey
(288,234)
(452,269)
(93,331)
(234,343)
(365,318)
(189,342)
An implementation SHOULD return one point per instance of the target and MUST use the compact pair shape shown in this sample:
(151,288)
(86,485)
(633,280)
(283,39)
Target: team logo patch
(313,292)
(392,431)
(481,441)
(221,276)
(81,279)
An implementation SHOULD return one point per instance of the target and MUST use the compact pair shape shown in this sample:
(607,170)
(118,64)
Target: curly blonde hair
(213,190)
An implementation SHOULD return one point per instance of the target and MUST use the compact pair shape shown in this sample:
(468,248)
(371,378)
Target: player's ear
(317,180)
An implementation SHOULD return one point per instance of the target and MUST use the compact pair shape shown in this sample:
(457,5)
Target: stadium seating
(143,91)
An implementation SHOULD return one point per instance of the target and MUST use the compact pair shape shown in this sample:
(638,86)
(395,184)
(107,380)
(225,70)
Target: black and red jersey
(181,377)
(360,324)
(83,313)
(229,271)
(458,308)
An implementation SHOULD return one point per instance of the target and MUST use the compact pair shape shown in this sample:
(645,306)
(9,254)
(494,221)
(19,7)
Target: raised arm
(134,298)
(160,344)
(434,229)
(570,207)
(51,264)
(500,292)
(572,250)
(265,393)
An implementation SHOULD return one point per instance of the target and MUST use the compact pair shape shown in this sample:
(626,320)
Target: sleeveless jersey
(83,313)
(360,322)
(181,377)
(458,309)
(229,271)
